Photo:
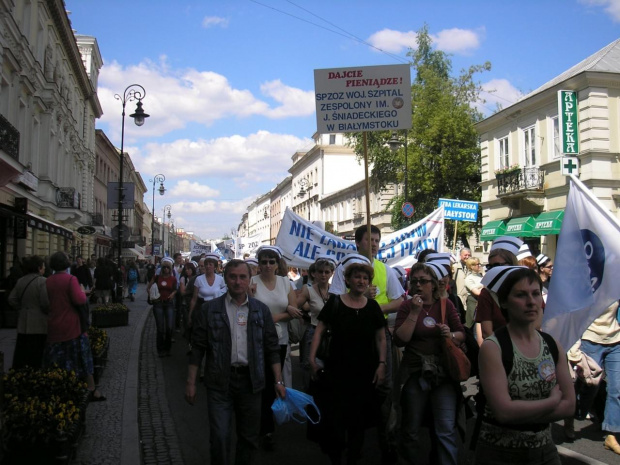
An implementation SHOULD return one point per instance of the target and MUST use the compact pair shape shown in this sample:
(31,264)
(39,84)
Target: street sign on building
(568,119)
(363,98)
(570,165)
(459,210)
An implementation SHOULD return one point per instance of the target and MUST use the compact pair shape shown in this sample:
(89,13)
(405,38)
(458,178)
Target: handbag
(296,330)
(457,363)
(154,294)
(83,311)
(296,406)
(323,352)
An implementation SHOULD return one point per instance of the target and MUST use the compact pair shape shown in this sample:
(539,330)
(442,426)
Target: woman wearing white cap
(523,398)
(277,293)
(163,308)
(488,314)
(356,365)
(208,285)
(420,327)
(545,270)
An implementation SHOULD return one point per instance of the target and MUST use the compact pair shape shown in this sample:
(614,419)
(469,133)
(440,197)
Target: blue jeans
(414,401)
(608,358)
(246,406)
(164,320)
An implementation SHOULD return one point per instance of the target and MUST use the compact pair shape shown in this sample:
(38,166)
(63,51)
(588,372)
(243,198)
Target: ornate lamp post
(132,92)
(158,178)
(303,182)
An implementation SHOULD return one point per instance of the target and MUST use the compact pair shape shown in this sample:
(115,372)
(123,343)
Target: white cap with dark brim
(251,261)
(212,256)
(326,258)
(439,258)
(509,243)
(524,252)
(541,259)
(271,248)
(354,258)
(438,269)
(495,277)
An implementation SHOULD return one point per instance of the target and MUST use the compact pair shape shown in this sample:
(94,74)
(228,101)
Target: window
(529,146)
(332,139)
(556,149)
(504,153)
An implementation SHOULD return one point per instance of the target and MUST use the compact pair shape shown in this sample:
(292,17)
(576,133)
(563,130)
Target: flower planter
(99,361)
(109,319)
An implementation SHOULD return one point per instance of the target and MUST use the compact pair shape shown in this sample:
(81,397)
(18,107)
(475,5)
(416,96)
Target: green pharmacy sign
(568,121)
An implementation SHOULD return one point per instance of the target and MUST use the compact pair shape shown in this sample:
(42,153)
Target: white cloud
(456,40)
(453,40)
(264,155)
(392,41)
(498,93)
(192,190)
(210,21)
(177,98)
(611,7)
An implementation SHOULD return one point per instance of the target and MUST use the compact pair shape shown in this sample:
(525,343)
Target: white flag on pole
(586,268)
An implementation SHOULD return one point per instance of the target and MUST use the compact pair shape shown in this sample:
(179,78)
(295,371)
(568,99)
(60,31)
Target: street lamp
(163,224)
(395,143)
(158,178)
(303,182)
(132,92)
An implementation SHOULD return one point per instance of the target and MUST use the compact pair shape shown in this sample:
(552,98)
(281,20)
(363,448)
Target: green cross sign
(570,165)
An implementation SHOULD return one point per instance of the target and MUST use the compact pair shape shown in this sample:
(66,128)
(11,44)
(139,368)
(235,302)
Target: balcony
(520,181)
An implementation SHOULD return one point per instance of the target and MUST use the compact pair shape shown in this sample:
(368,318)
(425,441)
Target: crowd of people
(372,347)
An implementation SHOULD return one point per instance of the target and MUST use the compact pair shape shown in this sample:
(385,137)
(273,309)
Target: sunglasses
(267,262)
(490,266)
(422,281)
(323,271)
(165,267)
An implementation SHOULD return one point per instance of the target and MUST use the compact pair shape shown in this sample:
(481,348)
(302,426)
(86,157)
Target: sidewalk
(112,430)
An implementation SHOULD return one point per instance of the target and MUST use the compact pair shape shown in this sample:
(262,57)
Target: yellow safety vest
(380,280)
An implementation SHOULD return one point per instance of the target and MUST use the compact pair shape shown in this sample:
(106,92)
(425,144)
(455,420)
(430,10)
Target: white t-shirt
(207,292)
(276,300)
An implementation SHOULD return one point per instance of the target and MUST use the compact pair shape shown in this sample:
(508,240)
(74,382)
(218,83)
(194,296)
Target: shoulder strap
(553,346)
(505,344)
(443,310)
(26,287)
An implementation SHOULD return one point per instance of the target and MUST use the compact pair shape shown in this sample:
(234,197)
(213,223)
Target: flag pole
(370,257)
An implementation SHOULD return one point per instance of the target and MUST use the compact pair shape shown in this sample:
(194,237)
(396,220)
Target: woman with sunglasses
(349,399)
(521,400)
(209,285)
(163,308)
(315,294)
(545,270)
(488,314)
(423,376)
(277,293)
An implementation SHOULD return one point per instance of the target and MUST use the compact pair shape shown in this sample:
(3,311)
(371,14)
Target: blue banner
(460,210)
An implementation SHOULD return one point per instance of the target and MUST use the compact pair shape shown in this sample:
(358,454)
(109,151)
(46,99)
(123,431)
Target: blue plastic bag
(296,406)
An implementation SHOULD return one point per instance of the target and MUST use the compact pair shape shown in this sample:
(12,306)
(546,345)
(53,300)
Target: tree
(443,154)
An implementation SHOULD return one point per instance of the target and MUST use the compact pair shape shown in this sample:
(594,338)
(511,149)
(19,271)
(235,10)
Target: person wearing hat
(208,285)
(422,375)
(545,270)
(314,296)
(236,335)
(163,308)
(276,292)
(488,314)
(524,399)
(253,263)
(356,365)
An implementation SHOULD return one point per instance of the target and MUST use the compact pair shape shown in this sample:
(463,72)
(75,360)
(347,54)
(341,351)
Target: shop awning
(35,221)
(493,230)
(132,253)
(548,223)
(520,227)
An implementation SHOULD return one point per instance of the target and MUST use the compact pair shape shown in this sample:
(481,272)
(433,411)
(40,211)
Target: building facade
(48,108)
(523,189)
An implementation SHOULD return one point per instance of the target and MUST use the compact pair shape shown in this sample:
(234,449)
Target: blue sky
(230,83)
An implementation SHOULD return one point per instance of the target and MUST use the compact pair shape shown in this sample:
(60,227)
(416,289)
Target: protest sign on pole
(363,98)
(301,241)
(248,245)
(197,248)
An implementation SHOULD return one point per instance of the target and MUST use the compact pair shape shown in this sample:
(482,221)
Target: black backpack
(505,344)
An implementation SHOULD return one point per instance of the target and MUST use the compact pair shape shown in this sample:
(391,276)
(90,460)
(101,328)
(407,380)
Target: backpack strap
(505,345)
(553,346)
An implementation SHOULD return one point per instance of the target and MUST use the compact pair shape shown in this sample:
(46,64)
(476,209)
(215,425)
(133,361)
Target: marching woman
(277,293)
(315,294)
(423,374)
(521,400)
(163,308)
(356,364)
(209,285)
(488,314)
